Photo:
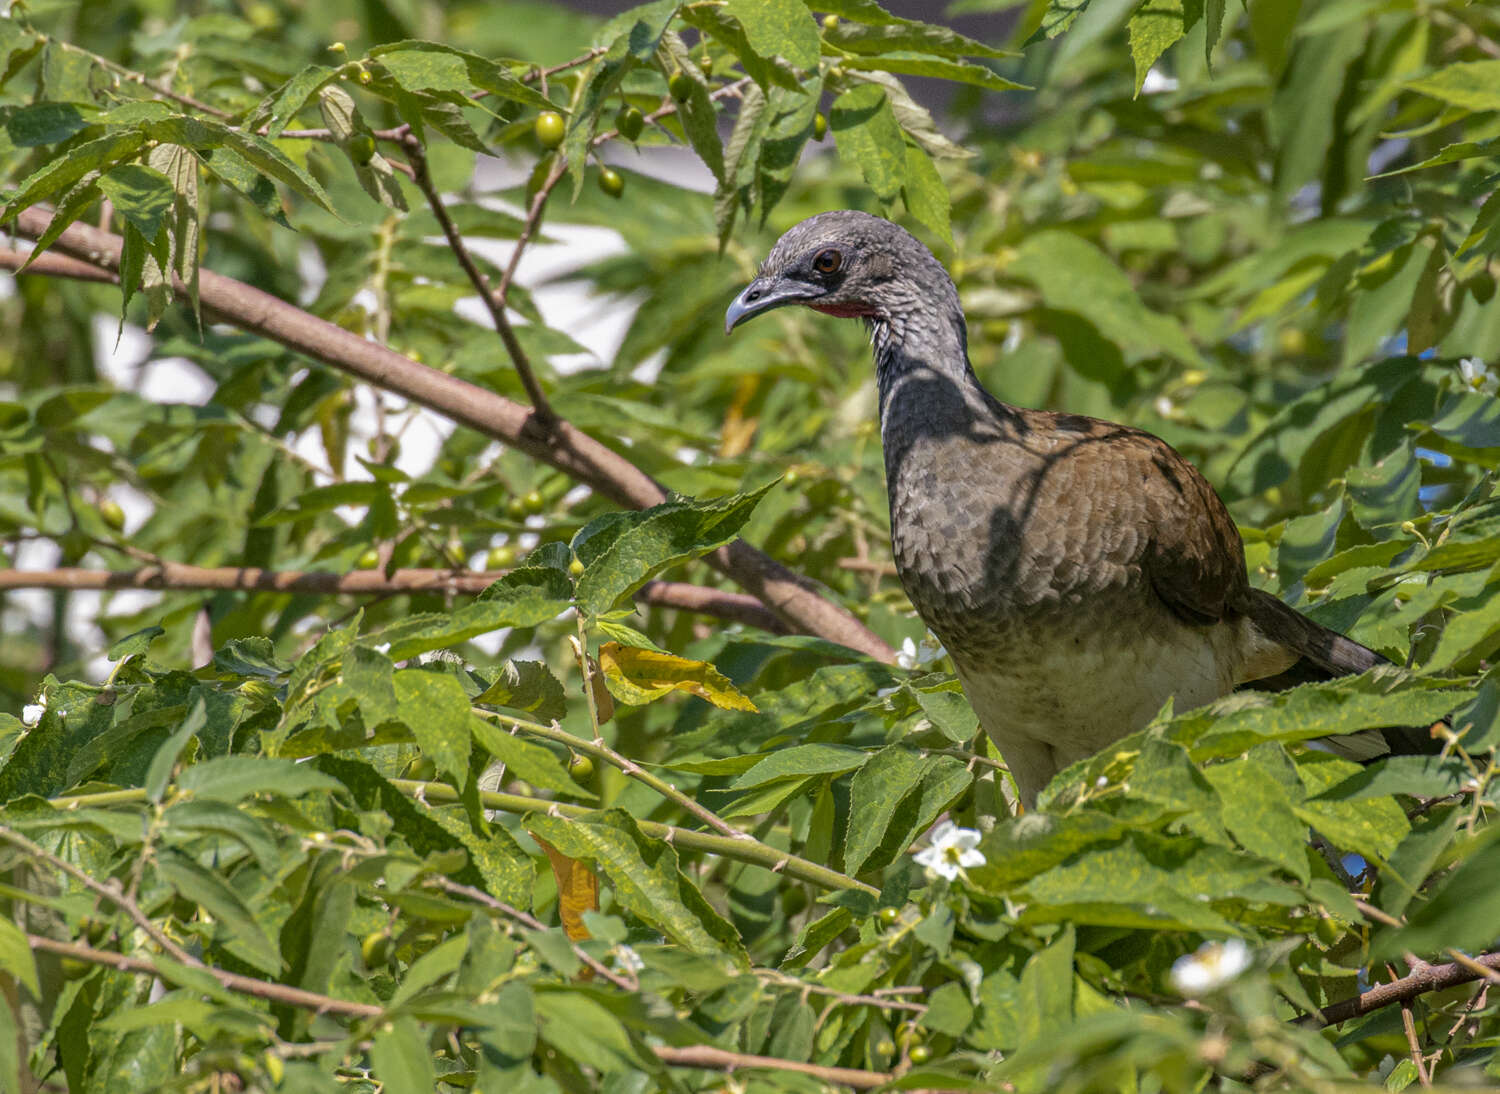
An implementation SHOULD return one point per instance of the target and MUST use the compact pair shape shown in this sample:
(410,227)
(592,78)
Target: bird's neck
(922,362)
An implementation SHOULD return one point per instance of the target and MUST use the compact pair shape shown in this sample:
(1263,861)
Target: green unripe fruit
(680,85)
(1328,931)
(500,558)
(375,949)
(364,76)
(515,509)
(111,513)
(74,968)
(422,769)
(830,22)
(549,128)
(630,122)
(369,560)
(533,502)
(920,1054)
(611,182)
(581,768)
(1482,285)
(820,127)
(706,65)
(889,915)
(885,1048)
(361,148)
(575,568)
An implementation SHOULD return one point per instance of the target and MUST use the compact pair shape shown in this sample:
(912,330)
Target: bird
(1079,572)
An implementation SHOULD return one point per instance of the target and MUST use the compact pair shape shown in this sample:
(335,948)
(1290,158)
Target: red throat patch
(843,311)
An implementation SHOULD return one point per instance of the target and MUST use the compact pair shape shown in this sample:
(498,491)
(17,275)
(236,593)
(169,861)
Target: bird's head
(844,263)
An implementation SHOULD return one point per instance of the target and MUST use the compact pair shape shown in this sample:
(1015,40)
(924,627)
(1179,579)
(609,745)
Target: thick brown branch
(735,607)
(1425,979)
(564,447)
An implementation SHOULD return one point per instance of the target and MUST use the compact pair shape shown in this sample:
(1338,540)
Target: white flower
(1210,966)
(951,850)
(1155,82)
(1477,376)
(913,656)
(626,958)
(32,713)
(1165,407)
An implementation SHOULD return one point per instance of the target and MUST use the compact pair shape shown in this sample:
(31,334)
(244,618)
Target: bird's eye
(828,261)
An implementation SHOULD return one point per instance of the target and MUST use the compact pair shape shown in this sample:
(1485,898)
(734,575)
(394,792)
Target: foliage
(329,844)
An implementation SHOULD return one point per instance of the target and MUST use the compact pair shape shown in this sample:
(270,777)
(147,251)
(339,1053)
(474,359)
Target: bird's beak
(763,294)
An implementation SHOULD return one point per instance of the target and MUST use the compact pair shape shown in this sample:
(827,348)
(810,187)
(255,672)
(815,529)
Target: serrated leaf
(1469,85)
(800,761)
(293,95)
(234,778)
(644,876)
(640,676)
(779,28)
(1153,28)
(36,124)
(867,135)
(524,597)
(401,1059)
(526,686)
(526,760)
(894,797)
(655,539)
(167,753)
(925,194)
(141,194)
(436,709)
(906,63)
(242,932)
(62,172)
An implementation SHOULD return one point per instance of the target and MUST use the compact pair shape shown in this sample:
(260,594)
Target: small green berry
(830,22)
(361,148)
(500,558)
(375,948)
(369,559)
(533,502)
(820,127)
(611,182)
(111,513)
(920,1054)
(575,568)
(680,85)
(706,65)
(581,768)
(630,122)
(549,128)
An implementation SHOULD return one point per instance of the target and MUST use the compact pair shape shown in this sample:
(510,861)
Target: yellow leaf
(577,891)
(638,676)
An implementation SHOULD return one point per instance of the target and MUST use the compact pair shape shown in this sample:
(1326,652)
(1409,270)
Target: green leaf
(527,686)
(894,797)
(401,1060)
(867,135)
(16,958)
(1153,29)
(906,63)
(207,137)
(635,550)
(439,66)
(926,195)
(436,709)
(1461,912)
(160,771)
(134,644)
(232,779)
(42,123)
(201,817)
(526,760)
(293,95)
(526,596)
(779,28)
(61,172)
(640,676)
(1470,85)
(582,1029)
(948,710)
(645,877)
(801,761)
(241,932)
(1261,794)
(858,35)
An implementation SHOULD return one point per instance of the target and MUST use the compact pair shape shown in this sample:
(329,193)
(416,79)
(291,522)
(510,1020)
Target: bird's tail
(1322,655)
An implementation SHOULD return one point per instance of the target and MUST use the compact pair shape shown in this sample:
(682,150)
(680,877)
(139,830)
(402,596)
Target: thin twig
(479,896)
(624,763)
(1409,1024)
(494,302)
(111,893)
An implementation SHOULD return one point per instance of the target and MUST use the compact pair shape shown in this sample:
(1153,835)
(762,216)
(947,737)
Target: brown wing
(1140,506)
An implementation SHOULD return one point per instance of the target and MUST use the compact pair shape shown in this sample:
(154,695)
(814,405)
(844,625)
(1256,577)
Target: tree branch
(698,1056)
(1425,979)
(791,596)
(734,607)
